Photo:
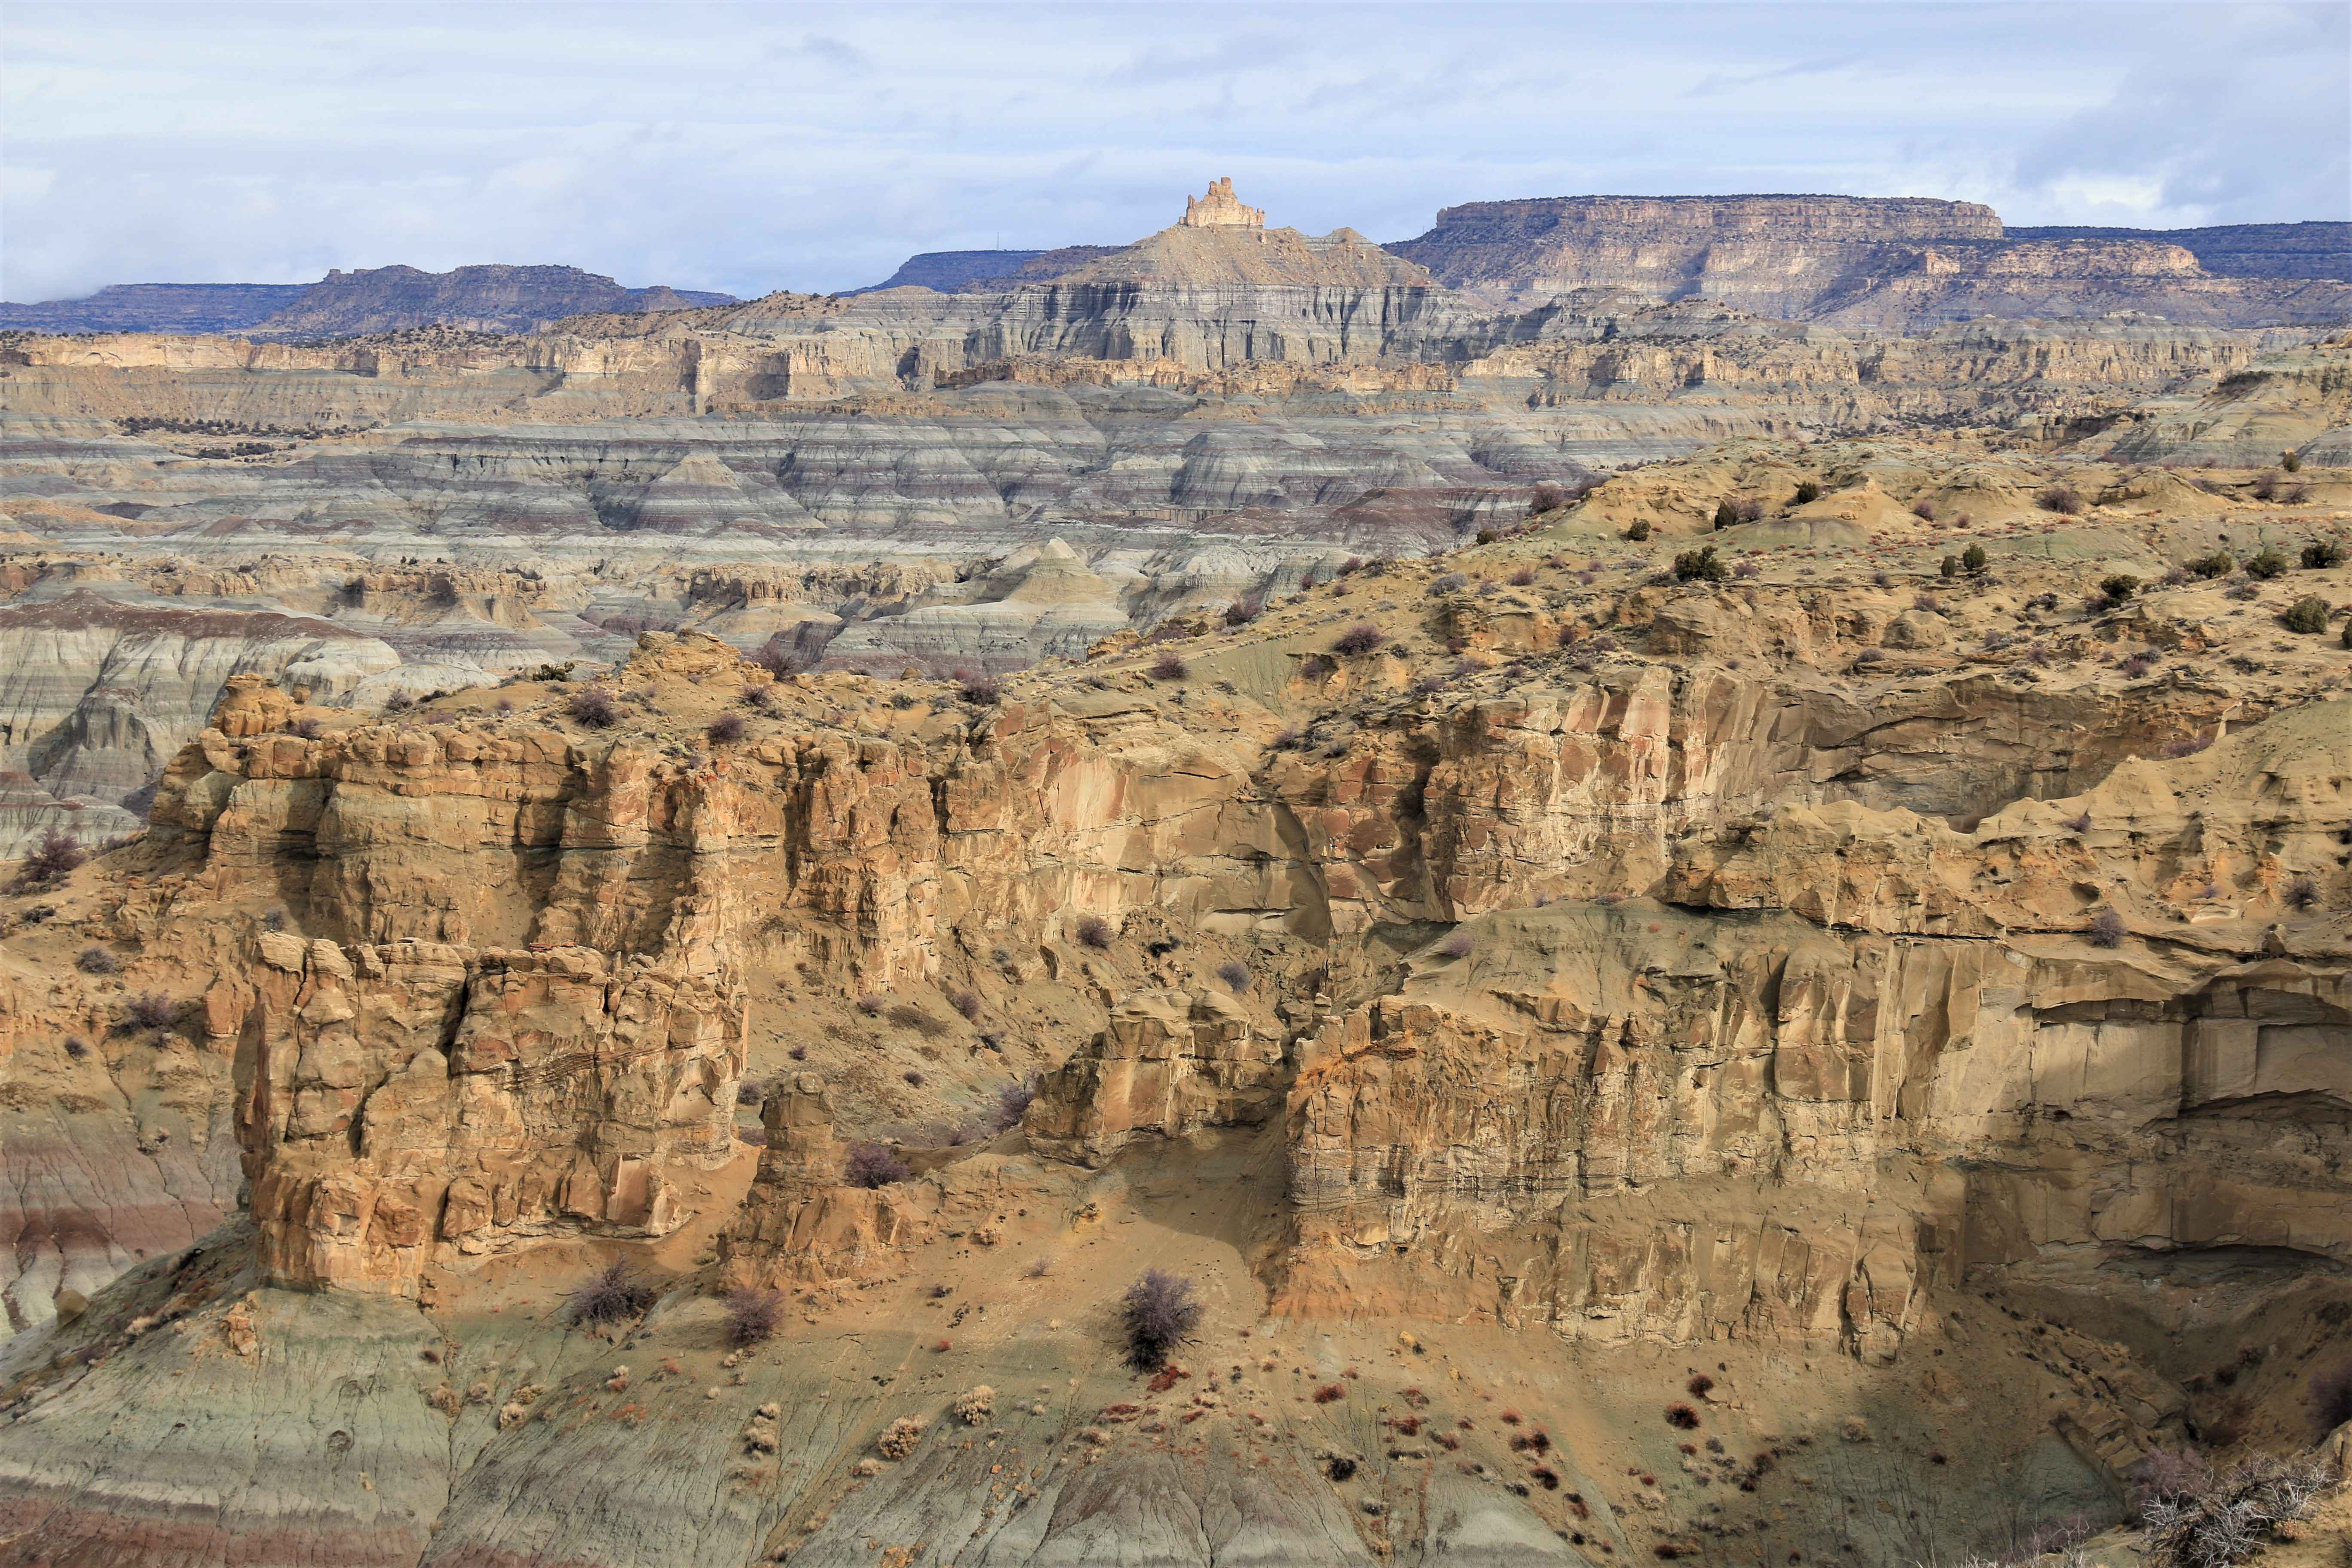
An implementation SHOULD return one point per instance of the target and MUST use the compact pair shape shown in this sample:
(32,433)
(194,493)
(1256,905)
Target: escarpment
(1753,983)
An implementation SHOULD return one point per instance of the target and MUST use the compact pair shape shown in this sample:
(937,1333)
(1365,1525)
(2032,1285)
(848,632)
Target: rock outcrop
(1901,264)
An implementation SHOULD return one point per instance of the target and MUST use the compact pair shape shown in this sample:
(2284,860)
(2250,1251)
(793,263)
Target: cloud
(751,147)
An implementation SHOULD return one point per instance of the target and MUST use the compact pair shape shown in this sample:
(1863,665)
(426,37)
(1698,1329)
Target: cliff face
(1843,966)
(1891,264)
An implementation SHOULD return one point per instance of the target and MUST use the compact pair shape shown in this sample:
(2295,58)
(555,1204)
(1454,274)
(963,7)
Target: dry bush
(725,729)
(609,1295)
(967,1003)
(1158,1313)
(1458,945)
(2308,615)
(97,961)
(593,708)
(1807,492)
(1013,1103)
(2106,929)
(975,1405)
(752,1317)
(1361,638)
(900,1438)
(1169,667)
(1235,974)
(871,1165)
(2061,499)
(2267,564)
(978,689)
(50,863)
(1093,932)
(150,1010)
(2230,1517)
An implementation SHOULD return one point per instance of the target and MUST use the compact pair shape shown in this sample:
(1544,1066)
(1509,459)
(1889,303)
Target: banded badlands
(1647,930)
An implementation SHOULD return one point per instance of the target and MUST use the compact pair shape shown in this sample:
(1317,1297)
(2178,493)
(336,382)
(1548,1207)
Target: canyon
(1704,927)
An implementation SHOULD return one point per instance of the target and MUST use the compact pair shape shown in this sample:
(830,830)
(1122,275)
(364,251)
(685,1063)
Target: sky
(752,147)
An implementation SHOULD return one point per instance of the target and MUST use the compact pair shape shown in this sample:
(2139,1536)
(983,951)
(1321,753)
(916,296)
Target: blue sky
(751,147)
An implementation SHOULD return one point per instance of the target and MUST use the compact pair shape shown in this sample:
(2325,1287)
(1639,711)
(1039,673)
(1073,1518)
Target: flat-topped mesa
(1219,208)
(1870,219)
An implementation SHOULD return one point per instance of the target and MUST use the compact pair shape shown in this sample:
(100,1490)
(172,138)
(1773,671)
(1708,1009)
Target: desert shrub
(752,1317)
(966,1003)
(1329,1393)
(914,1076)
(76,1047)
(1093,932)
(1547,497)
(973,1406)
(2242,591)
(609,1295)
(1927,601)
(1458,945)
(1807,491)
(2345,640)
(51,860)
(1682,1417)
(593,707)
(2266,485)
(1242,611)
(725,729)
(979,687)
(1950,567)
(1039,1267)
(900,1438)
(2302,893)
(2063,500)
(2307,615)
(2230,1518)
(2268,563)
(1169,666)
(2135,666)
(2119,587)
(1362,637)
(150,1010)
(2106,929)
(1449,582)
(1639,531)
(1925,511)
(1339,1467)
(1157,1314)
(1525,577)
(2319,557)
(2331,1398)
(1700,565)
(1973,560)
(1013,1103)
(872,1164)
(2291,461)
(2217,564)
(97,961)
(1725,514)
(748,1092)
(1487,536)
(870,1005)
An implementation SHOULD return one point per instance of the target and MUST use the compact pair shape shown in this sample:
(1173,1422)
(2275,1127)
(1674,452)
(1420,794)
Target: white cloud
(747,147)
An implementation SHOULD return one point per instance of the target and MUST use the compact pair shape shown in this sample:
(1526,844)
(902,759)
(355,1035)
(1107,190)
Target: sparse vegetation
(2217,564)
(1974,560)
(1361,638)
(2302,893)
(2223,1519)
(978,689)
(1700,565)
(974,1406)
(1169,666)
(1449,582)
(871,1165)
(592,707)
(610,1295)
(1925,511)
(2063,500)
(1808,491)
(2321,555)
(2308,615)
(1158,1313)
(1093,932)
(1458,945)
(1235,974)
(2106,929)
(97,961)
(752,1317)
(150,1010)
(1639,532)
(900,1438)
(1013,1103)
(966,1004)
(2119,587)
(52,861)
(2267,564)
(725,729)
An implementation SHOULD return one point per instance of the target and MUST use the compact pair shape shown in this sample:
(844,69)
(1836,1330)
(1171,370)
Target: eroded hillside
(1819,1037)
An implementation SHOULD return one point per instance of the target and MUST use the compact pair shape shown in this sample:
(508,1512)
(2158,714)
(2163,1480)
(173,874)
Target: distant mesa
(1219,208)
(483,298)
